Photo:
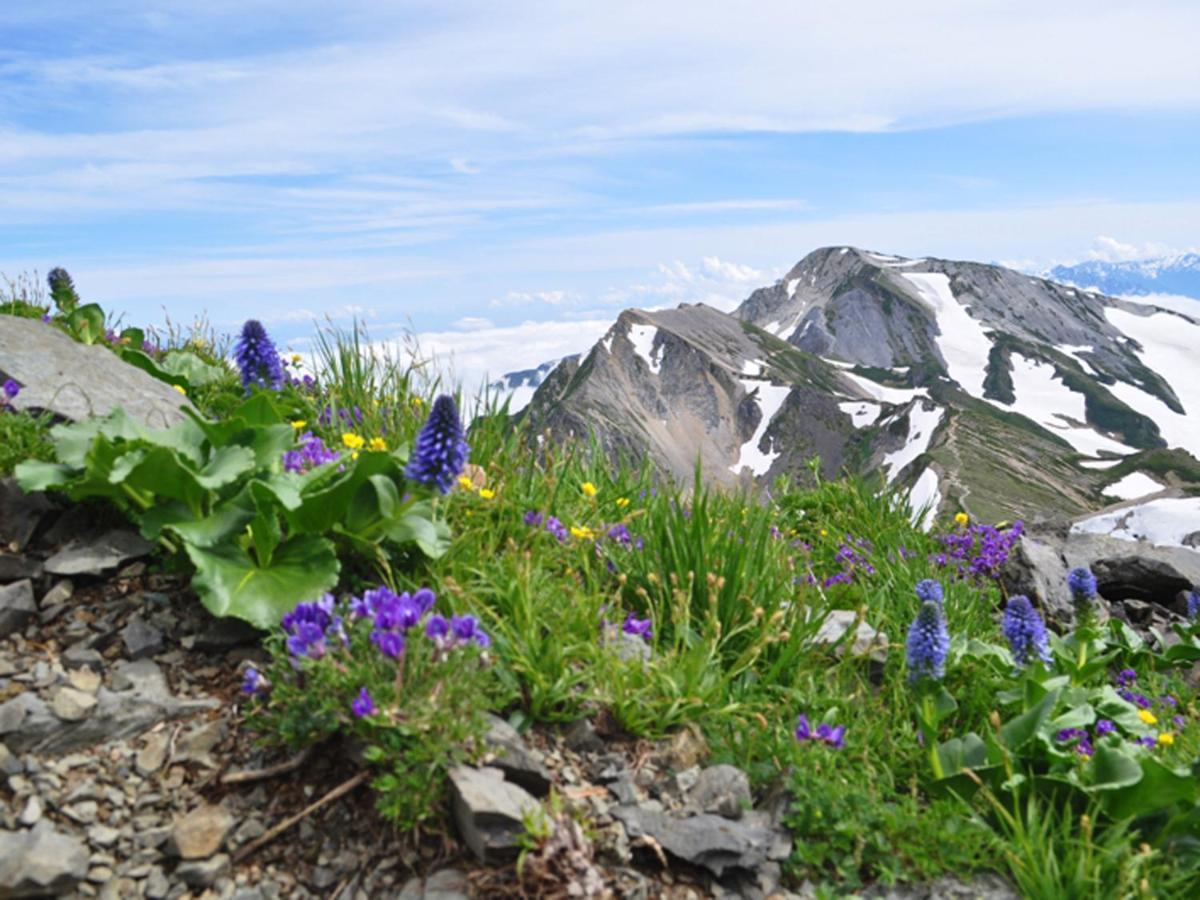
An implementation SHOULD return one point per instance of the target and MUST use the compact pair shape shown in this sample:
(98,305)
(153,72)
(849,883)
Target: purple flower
(929,590)
(558,529)
(62,289)
(390,643)
(824,732)
(533,519)
(1141,701)
(440,452)
(307,639)
(1148,741)
(1105,727)
(311,453)
(253,683)
(620,534)
(1193,600)
(466,628)
(1126,677)
(363,705)
(928,644)
(1025,631)
(637,627)
(436,627)
(397,611)
(257,358)
(11,388)
(423,599)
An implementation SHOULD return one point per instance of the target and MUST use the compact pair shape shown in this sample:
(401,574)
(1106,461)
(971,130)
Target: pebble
(31,813)
(84,680)
(102,835)
(153,753)
(84,813)
(71,704)
(200,833)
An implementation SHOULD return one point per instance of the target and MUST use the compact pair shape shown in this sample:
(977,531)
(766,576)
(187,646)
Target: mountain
(1168,275)
(518,387)
(975,386)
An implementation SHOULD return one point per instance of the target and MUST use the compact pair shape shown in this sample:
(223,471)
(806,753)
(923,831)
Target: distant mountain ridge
(973,385)
(1178,274)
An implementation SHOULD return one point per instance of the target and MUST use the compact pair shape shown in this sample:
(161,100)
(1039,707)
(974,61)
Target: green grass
(23,436)
(735,586)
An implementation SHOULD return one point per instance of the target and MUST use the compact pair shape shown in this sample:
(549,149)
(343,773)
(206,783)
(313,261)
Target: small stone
(198,743)
(141,640)
(40,862)
(59,593)
(100,875)
(12,714)
(447,884)
(84,813)
(581,737)
(201,873)
(17,608)
(84,680)
(71,704)
(82,656)
(250,830)
(156,886)
(722,789)
(489,811)
(102,836)
(200,833)
(32,812)
(98,555)
(153,754)
(14,568)
(9,764)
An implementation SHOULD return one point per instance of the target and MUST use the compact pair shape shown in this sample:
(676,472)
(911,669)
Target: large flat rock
(76,381)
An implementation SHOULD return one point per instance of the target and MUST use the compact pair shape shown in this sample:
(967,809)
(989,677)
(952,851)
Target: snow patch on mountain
(770,399)
(1042,397)
(1133,486)
(642,337)
(924,499)
(962,341)
(861,412)
(1169,346)
(882,392)
(1166,521)
(922,422)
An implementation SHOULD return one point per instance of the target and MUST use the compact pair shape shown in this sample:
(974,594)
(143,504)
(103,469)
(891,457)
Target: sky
(503,178)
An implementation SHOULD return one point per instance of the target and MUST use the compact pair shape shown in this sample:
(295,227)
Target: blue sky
(504,178)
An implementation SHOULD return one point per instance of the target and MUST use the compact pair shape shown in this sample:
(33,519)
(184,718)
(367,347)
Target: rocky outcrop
(74,381)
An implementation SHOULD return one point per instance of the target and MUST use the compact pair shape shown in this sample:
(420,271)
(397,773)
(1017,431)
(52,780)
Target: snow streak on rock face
(962,341)
(642,337)
(770,399)
(861,412)
(1165,522)
(922,422)
(1170,346)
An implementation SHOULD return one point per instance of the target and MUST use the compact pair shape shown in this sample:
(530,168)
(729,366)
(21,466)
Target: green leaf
(1113,768)
(967,752)
(86,323)
(1020,731)
(230,583)
(1182,653)
(187,366)
(1076,717)
(133,337)
(431,536)
(1158,788)
(35,475)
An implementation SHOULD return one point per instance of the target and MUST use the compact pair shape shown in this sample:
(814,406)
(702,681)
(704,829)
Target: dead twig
(344,788)
(274,771)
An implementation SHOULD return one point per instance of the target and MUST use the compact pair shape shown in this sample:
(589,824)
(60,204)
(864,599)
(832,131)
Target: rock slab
(39,863)
(77,381)
(489,811)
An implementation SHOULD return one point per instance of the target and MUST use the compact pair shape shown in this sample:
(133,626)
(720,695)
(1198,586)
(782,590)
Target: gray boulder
(41,862)
(512,756)
(721,789)
(489,811)
(713,842)
(77,381)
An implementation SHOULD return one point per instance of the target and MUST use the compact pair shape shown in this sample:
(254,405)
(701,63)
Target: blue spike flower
(257,358)
(928,643)
(929,590)
(1025,631)
(441,449)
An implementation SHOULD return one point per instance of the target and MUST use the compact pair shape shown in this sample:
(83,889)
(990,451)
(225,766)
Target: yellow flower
(487,493)
(416,402)
(466,483)
(298,424)
(582,532)
(589,489)
(352,440)
(378,443)
(1166,739)
(961,519)
(824,533)
(354,455)
(181,390)
(622,502)
(1148,717)
(296,359)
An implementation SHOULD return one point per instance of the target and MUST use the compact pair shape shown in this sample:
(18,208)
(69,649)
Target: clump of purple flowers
(257,358)
(441,449)
(637,627)
(834,736)
(928,644)
(309,627)
(854,556)
(1025,631)
(363,705)
(311,453)
(253,683)
(977,552)
(1078,737)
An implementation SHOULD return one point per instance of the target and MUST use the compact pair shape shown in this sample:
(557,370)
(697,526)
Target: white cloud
(530,298)
(473,323)
(730,271)
(1108,249)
